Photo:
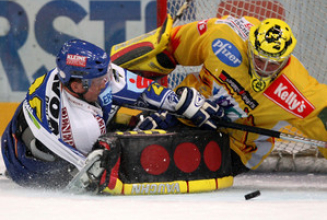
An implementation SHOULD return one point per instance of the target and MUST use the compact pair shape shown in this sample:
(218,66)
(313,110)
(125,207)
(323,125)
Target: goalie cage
(309,26)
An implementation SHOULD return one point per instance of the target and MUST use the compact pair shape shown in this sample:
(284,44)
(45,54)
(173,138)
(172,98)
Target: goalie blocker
(146,55)
(160,162)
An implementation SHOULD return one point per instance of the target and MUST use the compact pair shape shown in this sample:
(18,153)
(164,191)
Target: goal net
(307,20)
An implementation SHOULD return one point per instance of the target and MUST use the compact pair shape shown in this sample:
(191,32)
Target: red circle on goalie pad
(187,157)
(155,159)
(212,156)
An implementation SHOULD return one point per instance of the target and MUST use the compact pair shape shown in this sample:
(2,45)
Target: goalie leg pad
(158,156)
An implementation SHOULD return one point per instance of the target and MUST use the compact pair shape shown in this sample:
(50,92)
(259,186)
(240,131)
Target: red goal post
(307,20)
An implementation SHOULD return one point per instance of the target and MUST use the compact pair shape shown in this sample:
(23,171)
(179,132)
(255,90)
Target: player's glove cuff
(195,107)
(159,120)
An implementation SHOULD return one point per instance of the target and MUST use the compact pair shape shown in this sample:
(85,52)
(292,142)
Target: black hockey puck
(252,195)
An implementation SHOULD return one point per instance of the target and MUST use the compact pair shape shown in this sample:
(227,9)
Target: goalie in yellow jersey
(248,69)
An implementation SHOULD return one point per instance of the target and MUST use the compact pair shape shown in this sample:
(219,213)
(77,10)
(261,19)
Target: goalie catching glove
(195,107)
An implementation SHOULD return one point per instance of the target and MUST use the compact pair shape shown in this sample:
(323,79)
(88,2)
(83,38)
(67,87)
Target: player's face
(97,85)
(265,67)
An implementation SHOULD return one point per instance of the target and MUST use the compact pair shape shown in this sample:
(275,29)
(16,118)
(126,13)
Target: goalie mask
(78,59)
(270,45)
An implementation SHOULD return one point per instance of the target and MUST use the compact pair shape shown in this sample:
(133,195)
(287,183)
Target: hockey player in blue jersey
(52,133)
(67,109)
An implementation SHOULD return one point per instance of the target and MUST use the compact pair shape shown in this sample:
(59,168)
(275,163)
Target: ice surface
(283,196)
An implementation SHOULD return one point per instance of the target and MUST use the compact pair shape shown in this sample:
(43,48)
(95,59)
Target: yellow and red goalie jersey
(293,98)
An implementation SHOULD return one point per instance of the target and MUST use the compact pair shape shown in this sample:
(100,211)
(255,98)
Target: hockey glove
(104,171)
(195,107)
(158,120)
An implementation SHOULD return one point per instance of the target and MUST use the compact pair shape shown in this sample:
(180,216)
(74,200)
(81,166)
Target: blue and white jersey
(129,88)
(69,126)
(70,120)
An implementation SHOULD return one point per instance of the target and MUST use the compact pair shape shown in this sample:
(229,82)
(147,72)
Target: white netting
(307,20)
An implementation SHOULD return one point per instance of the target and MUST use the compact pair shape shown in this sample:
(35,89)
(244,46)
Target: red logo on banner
(286,95)
(202,26)
(76,60)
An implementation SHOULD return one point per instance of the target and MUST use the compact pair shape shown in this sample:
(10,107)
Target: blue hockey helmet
(81,60)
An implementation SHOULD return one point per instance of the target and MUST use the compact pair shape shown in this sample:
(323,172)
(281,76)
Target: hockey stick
(251,129)
(181,11)
(76,185)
